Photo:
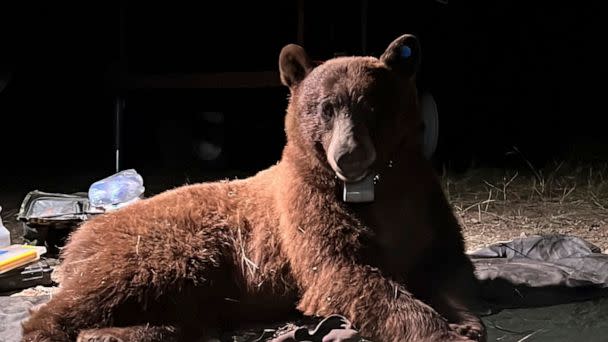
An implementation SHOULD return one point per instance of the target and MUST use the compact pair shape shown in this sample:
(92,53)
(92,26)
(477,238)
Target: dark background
(505,74)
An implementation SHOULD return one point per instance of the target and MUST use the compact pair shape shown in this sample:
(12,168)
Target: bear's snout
(354,165)
(351,152)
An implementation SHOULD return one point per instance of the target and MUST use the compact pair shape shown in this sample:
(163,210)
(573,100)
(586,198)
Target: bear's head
(352,114)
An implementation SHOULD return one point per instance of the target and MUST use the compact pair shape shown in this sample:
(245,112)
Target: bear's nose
(351,160)
(352,163)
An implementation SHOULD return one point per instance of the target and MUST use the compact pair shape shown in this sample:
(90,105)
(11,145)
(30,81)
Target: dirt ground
(499,205)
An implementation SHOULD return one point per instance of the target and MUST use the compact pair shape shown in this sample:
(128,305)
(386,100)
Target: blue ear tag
(406,52)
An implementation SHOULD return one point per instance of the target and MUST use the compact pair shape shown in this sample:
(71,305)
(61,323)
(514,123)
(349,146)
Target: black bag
(38,273)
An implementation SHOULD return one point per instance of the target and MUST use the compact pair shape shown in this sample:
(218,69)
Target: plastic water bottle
(5,235)
(116,189)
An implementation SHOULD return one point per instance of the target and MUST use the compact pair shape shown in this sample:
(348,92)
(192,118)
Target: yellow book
(15,256)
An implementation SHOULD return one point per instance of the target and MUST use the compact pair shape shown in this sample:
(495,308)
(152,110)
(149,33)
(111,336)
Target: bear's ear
(294,65)
(403,55)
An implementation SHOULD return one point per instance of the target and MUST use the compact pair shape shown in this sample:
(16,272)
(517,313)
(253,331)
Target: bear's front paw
(98,335)
(36,336)
(473,332)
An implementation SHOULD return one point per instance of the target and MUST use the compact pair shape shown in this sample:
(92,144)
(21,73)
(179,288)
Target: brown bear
(388,256)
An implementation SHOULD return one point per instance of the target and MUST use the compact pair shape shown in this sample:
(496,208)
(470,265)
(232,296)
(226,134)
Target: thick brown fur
(186,262)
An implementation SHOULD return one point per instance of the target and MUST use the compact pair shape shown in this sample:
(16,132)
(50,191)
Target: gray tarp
(550,288)
(12,311)
(535,271)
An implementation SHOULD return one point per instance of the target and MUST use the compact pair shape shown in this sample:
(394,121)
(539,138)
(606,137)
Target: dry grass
(499,205)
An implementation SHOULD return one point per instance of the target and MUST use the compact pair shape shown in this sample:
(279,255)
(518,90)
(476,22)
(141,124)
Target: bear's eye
(326,110)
